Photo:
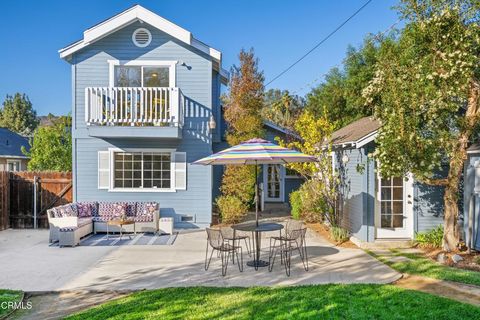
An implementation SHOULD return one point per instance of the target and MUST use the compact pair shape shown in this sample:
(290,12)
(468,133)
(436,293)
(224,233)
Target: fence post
(35,188)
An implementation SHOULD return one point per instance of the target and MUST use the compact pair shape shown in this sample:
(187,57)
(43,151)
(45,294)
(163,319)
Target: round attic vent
(141,37)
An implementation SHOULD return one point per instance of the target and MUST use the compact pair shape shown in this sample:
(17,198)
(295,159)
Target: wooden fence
(3,200)
(31,194)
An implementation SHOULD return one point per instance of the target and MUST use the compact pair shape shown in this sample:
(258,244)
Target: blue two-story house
(146,104)
(146,98)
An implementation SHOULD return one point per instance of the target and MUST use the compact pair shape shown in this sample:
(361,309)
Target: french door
(273,182)
(394,209)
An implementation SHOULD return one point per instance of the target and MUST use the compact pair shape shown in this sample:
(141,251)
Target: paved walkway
(29,264)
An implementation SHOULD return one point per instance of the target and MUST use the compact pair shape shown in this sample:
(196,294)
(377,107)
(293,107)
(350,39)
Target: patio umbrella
(254,152)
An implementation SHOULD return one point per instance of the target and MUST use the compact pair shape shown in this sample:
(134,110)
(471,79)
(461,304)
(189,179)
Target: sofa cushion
(84,221)
(143,218)
(131,209)
(86,209)
(111,209)
(68,229)
(102,218)
(146,208)
(65,211)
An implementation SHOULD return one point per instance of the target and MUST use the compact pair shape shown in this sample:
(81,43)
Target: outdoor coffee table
(120,223)
(257,238)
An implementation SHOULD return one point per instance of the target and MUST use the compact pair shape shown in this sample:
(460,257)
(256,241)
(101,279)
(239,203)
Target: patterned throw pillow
(65,211)
(84,209)
(147,208)
(120,210)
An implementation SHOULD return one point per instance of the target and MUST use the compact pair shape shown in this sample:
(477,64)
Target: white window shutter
(103,169)
(180,159)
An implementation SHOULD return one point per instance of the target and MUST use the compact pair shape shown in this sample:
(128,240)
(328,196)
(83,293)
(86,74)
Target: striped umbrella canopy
(255,151)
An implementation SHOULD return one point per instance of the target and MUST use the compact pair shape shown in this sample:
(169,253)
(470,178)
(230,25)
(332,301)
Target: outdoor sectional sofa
(76,220)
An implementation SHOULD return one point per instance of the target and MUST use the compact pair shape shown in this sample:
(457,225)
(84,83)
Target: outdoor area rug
(140,239)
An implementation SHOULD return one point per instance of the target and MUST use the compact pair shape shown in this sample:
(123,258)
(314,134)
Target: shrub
(313,205)
(296,204)
(231,208)
(239,181)
(432,238)
(339,234)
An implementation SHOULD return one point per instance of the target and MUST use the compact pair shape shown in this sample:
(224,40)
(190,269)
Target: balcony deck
(118,112)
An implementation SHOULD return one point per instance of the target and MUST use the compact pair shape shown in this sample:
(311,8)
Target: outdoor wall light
(345,159)
(211,123)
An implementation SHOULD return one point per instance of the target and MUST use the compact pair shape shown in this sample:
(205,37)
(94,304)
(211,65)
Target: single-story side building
(374,208)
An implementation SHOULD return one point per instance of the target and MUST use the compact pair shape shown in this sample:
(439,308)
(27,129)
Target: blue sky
(31,32)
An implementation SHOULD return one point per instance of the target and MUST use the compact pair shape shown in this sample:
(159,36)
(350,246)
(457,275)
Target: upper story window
(141,37)
(141,76)
(142,73)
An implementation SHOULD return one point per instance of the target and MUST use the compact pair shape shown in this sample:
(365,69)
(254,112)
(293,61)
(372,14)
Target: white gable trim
(367,139)
(137,13)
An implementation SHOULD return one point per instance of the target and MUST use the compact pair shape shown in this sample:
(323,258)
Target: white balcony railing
(134,106)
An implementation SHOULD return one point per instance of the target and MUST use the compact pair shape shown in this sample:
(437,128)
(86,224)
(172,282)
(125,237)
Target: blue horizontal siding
(357,208)
(194,202)
(193,76)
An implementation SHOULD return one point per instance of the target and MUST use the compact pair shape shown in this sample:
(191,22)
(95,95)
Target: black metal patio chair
(289,225)
(294,240)
(216,241)
(236,237)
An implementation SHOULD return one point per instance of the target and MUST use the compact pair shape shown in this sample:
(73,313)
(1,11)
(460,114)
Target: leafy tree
(18,115)
(426,93)
(319,193)
(282,108)
(243,107)
(340,93)
(51,147)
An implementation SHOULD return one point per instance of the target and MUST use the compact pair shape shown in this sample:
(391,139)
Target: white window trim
(14,161)
(144,63)
(112,168)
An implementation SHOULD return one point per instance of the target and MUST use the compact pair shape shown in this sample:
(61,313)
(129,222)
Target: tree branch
(434,182)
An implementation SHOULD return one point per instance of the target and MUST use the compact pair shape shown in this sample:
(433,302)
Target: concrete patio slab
(29,264)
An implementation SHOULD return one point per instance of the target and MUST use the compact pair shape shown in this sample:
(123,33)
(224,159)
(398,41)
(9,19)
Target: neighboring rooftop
(11,144)
(356,132)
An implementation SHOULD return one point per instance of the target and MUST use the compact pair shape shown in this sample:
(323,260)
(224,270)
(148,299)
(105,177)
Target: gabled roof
(139,13)
(280,129)
(357,133)
(11,144)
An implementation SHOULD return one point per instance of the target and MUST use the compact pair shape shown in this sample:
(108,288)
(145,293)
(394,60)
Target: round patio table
(256,231)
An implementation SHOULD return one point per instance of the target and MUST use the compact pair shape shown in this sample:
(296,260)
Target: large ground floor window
(151,170)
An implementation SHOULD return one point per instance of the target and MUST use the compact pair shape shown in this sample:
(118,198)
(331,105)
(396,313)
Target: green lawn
(304,302)
(428,268)
(8,296)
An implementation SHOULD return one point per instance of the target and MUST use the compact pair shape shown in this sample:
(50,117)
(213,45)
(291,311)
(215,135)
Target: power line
(310,84)
(320,43)
(378,37)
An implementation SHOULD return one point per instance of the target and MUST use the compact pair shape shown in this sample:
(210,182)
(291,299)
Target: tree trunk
(459,155)
(450,198)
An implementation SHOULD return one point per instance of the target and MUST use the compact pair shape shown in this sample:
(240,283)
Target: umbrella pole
(256,194)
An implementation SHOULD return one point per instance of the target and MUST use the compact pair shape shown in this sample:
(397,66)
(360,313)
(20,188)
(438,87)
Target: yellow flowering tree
(319,192)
